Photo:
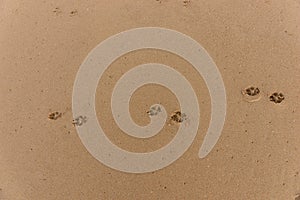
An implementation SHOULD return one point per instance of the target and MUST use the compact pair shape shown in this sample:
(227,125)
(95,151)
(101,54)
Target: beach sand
(253,43)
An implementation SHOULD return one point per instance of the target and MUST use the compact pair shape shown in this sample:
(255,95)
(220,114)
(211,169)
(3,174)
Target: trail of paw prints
(253,94)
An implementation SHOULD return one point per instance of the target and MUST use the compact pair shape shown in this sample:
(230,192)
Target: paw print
(54,115)
(251,94)
(186,2)
(79,121)
(252,91)
(178,117)
(154,110)
(277,97)
(73,13)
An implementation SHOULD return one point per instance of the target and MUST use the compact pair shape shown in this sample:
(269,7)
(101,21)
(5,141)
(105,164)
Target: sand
(253,43)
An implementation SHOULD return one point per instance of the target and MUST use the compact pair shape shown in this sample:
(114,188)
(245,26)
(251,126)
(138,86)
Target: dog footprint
(277,97)
(251,94)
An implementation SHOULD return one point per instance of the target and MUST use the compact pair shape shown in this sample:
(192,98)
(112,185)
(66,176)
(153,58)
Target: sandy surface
(253,43)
